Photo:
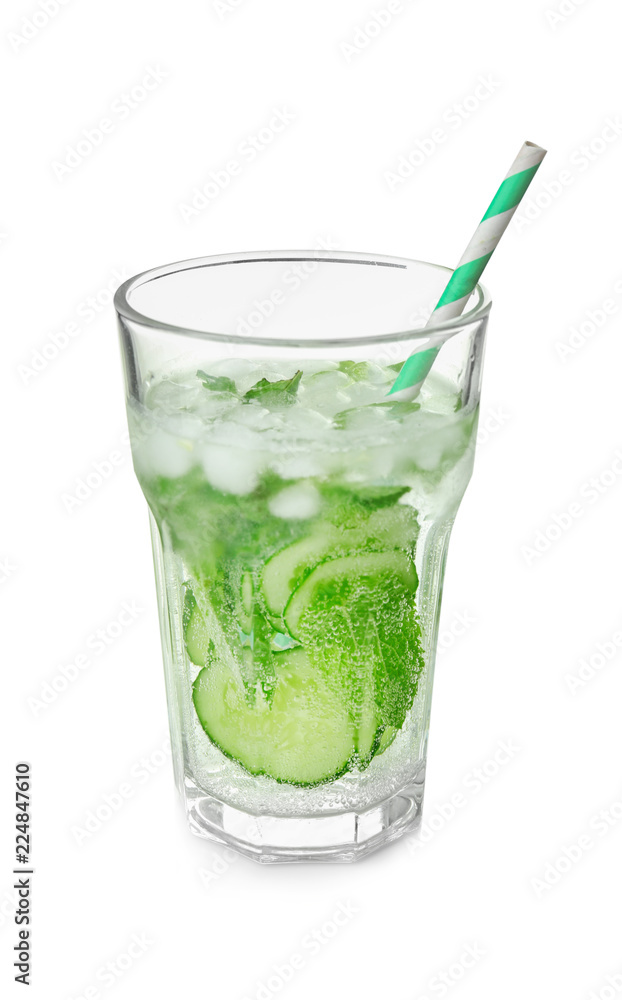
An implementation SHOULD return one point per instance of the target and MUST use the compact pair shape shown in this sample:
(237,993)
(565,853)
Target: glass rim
(439,331)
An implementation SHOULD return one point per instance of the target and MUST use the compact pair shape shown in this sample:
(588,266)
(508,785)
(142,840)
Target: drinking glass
(300,517)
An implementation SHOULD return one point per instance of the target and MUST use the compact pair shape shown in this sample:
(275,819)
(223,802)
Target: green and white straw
(472,263)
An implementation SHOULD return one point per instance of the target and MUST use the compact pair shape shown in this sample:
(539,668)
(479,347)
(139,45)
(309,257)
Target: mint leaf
(399,408)
(357,370)
(280,393)
(217,383)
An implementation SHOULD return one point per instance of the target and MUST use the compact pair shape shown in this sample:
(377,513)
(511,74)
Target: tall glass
(300,517)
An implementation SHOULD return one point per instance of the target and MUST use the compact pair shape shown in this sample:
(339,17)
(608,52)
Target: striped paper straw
(472,263)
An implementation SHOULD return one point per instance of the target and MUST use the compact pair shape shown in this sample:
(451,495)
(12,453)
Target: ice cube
(363,419)
(325,392)
(370,464)
(364,393)
(304,423)
(185,426)
(236,435)
(377,375)
(169,396)
(256,416)
(432,439)
(279,371)
(438,394)
(325,380)
(426,452)
(312,367)
(231,470)
(297,465)
(211,405)
(233,368)
(295,503)
(159,453)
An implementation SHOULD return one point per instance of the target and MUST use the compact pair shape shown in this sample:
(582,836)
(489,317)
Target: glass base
(345,836)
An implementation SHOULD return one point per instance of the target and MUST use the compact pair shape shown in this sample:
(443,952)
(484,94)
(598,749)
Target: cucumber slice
(303,737)
(374,496)
(284,571)
(386,739)
(245,642)
(385,528)
(247,594)
(245,604)
(368,732)
(196,636)
(337,582)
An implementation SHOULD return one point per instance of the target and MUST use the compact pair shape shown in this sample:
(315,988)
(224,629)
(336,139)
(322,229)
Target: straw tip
(534,147)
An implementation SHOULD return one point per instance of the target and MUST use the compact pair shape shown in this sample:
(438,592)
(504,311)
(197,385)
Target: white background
(216,926)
